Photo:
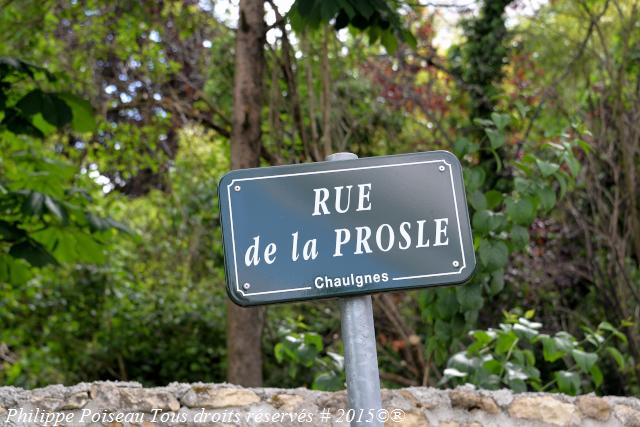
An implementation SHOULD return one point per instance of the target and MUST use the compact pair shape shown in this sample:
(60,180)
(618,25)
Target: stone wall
(129,404)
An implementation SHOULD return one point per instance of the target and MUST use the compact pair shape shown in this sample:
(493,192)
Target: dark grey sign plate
(341,228)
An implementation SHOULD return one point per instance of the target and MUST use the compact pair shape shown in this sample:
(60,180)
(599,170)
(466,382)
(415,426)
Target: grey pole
(360,355)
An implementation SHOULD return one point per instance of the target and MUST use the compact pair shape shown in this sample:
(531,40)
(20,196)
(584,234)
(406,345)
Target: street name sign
(331,229)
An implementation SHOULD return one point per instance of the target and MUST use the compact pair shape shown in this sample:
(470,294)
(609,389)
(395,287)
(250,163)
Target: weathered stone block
(594,407)
(218,397)
(286,402)
(629,416)
(141,400)
(452,423)
(74,401)
(410,419)
(333,401)
(470,400)
(545,409)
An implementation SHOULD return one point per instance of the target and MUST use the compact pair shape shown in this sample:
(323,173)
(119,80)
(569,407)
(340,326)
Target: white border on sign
(233,239)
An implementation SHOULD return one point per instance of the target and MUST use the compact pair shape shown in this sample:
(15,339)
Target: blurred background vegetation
(115,126)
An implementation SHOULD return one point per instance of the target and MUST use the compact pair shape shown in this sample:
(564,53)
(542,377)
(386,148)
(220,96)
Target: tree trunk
(244,325)
(306,48)
(326,95)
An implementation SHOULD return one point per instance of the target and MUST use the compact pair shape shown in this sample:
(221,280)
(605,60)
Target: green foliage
(307,360)
(150,314)
(378,18)
(500,222)
(518,356)
(45,217)
(481,59)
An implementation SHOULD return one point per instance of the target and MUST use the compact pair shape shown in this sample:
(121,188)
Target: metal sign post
(347,228)
(360,354)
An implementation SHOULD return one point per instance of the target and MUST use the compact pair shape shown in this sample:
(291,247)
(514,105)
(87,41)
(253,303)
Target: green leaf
(501,120)
(519,237)
(482,222)
(389,41)
(485,221)
(10,232)
(454,373)
(442,330)
(525,331)
(574,164)
(517,385)
(550,351)
(584,146)
(33,204)
(53,108)
(310,12)
(305,6)
(493,366)
(327,382)
(328,9)
(496,138)
(363,8)
(584,360)
(529,324)
(568,382)
(295,18)
(88,250)
(497,281)
(483,122)
(515,372)
(279,352)
(307,354)
(119,226)
(446,305)
(596,375)
(470,296)
(44,126)
(14,271)
(347,8)
(478,200)
(474,178)
(481,340)
(342,20)
(494,199)
(520,211)
(461,146)
(83,116)
(547,199)
(547,168)
(96,223)
(65,247)
(493,255)
(409,38)
(33,253)
(562,181)
(530,358)
(606,326)
(505,341)
(463,362)
(617,356)
(10,65)
(314,340)
(497,221)
(564,341)
(55,208)
(19,125)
